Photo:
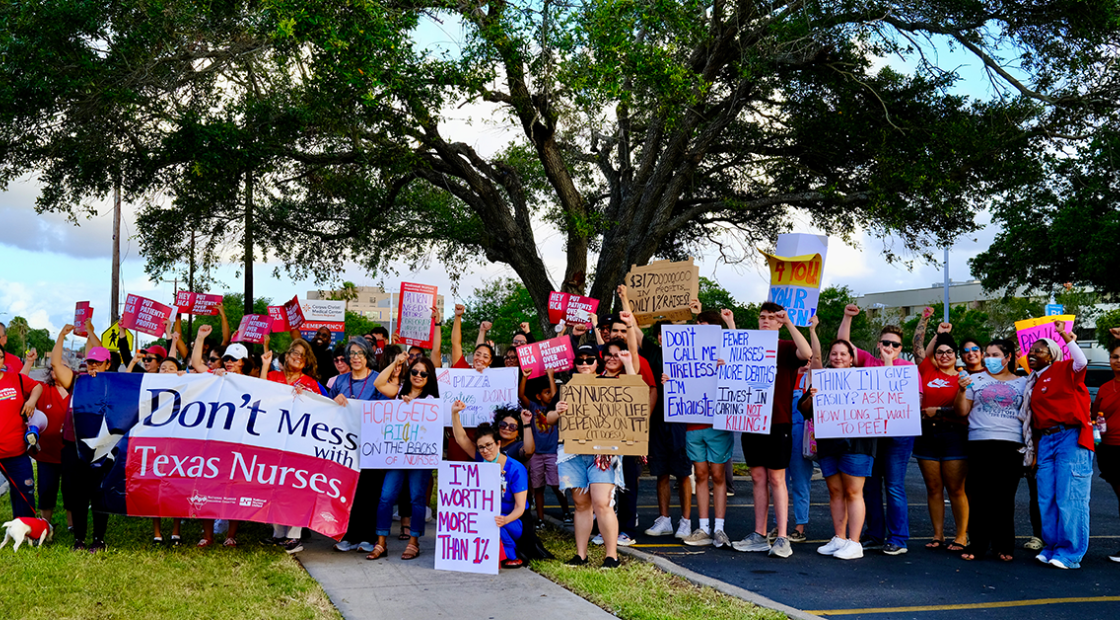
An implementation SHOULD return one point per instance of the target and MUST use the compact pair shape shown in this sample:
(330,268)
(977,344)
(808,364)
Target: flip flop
(404,535)
(1005,557)
(230,542)
(377,553)
(953,547)
(936,543)
(410,552)
(205,542)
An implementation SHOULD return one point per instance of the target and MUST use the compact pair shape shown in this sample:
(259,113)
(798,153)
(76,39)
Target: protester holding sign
(845,464)
(799,475)
(888,531)
(483,353)
(420,383)
(1057,402)
(300,366)
(536,396)
(990,402)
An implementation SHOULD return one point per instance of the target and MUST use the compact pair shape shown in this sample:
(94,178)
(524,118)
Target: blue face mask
(994,365)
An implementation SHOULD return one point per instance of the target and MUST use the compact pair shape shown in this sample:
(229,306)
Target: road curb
(701,580)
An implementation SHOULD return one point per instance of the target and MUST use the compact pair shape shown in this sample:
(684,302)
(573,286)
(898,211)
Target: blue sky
(47,264)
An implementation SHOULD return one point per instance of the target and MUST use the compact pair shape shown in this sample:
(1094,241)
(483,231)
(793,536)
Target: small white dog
(27,528)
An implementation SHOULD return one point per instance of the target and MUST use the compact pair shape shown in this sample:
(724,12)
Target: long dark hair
(431,386)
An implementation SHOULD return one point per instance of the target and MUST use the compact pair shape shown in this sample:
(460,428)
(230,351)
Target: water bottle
(1096,435)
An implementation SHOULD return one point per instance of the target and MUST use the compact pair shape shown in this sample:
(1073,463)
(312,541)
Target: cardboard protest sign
(468,539)
(253,328)
(201,304)
(541,357)
(879,401)
(82,312)
(1029,331)
(323,313)
(147,316)
(795,274)
(482,392)
(745,396)
(400,435)
(662,290)
(605,415)
(414,309)
(689,354)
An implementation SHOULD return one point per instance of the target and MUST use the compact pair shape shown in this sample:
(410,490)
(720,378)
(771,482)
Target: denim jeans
(627,497)
(799,473)
(21,476)
(891,457)
(418,480)
(1065,471)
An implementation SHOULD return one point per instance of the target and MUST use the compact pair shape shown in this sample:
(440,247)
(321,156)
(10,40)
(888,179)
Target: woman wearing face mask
(420,382)
(515,480)
(991,403)
(1056,402)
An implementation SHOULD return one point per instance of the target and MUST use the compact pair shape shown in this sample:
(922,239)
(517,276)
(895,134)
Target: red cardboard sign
(146,316)
(293,313)
(414,312)
(200,304)
(556,305)
(279,319)
(82,312)
(571,308)
(253,328)
(540,357)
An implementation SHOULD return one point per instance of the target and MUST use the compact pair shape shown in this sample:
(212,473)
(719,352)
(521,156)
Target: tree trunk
(248,243)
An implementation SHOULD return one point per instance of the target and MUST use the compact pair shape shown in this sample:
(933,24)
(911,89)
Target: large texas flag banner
(209,447)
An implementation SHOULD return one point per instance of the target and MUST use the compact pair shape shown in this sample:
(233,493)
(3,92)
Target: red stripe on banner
(196,479)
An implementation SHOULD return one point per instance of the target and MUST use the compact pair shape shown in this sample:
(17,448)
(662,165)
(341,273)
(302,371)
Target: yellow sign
(795,270)
(110,338)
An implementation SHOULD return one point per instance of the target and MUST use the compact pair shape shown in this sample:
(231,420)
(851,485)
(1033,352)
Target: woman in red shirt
(1107,406)
(1057,403)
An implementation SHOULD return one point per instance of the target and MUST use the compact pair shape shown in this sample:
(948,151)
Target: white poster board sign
(400,435)
(482,393)
(467,537)
(745,396)
(867,402)
(689,355)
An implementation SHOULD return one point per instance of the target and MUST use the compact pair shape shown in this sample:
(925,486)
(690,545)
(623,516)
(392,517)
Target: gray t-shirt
(995,408)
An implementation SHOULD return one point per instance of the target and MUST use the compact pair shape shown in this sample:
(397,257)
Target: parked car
(1096,376)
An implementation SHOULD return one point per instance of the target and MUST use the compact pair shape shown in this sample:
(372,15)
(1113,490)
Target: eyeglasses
(355,353)
(971,350)
(148,359)
(944,351)
(423,374)
(890,343)
(507,426)
(488,447)
(296,355)
(585,361)
(340,360)
(215,360)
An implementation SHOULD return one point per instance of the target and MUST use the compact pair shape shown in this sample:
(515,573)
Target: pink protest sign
(147,316)
(293,313)
(541,357)
(201,304)
(82,312)
(415,324)
(557,302)
(1029,331)
(253,328)
(279,319)
(571,308)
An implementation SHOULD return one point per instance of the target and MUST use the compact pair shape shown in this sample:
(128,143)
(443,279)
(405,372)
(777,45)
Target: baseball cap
(98,354)
(156,350)
(237,351)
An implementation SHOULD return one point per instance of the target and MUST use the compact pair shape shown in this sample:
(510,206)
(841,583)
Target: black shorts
(1108,461)
(770,451)
(667,454)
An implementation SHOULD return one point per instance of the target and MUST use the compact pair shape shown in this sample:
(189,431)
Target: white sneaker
(719,539)
(661,526)
(851,550)
(684,530)
(832,546)
(1055,562)
(624,540)
(598,540)
(698,538)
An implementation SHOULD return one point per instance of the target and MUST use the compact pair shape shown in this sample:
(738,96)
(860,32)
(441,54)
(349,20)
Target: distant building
(371,302)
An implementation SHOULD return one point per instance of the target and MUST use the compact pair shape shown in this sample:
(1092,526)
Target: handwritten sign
(82,312)
(400,435)
(689,354)
(541,357)
(795,274)
(745,396)
(414,308)
(253,328)
(605,415)
(147,316)
(467,538)
(201,304)
(867,402)
(482,392)
(662,290)
(1031,330)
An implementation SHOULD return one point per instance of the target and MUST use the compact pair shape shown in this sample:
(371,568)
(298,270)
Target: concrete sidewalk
(393,589)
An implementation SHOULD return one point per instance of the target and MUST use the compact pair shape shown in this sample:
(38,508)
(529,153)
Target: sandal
(1005,557)
(514,563)
(205,542)
(954,547)
(405,533)
(936,543)
(230,542)
(968,557)
(377,553)
(176,541)
(410,552)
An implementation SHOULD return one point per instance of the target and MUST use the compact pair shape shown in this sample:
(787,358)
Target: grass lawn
(136,579)
(638,590)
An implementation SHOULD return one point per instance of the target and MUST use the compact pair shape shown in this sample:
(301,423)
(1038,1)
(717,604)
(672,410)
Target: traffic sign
(110,338)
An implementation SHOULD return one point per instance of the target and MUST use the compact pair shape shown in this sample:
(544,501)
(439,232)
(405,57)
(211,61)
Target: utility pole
(114,311)
(945,311)
(248,243)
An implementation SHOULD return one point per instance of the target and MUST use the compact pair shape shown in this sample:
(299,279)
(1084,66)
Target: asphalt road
(922,584)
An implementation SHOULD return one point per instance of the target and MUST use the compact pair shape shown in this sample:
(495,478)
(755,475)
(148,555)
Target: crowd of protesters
(987,423)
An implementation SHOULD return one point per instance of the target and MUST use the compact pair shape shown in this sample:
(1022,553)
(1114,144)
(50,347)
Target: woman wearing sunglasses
(419,382)
(972,355)
(235,358)
(940,450)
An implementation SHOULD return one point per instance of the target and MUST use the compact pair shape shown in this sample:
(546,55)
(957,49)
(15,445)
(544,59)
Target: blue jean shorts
(580,472)
(707,445)
(858,465)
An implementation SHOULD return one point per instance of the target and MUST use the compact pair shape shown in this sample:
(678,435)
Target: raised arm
(845,331)
(458,431)
(595,328)
(132,362)
(63,375)
(521,397)
(631,333)
(815,343)
(266,359)
(382,380)
(225,325)
(729,318)
(528,441)
(917,346)
(92,340)
(197,363)
(437,338)
(804,350)
(180,346)
(483,329)
(625,301)
(457,334)
(551,383)
(28,362)
(1075,352)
